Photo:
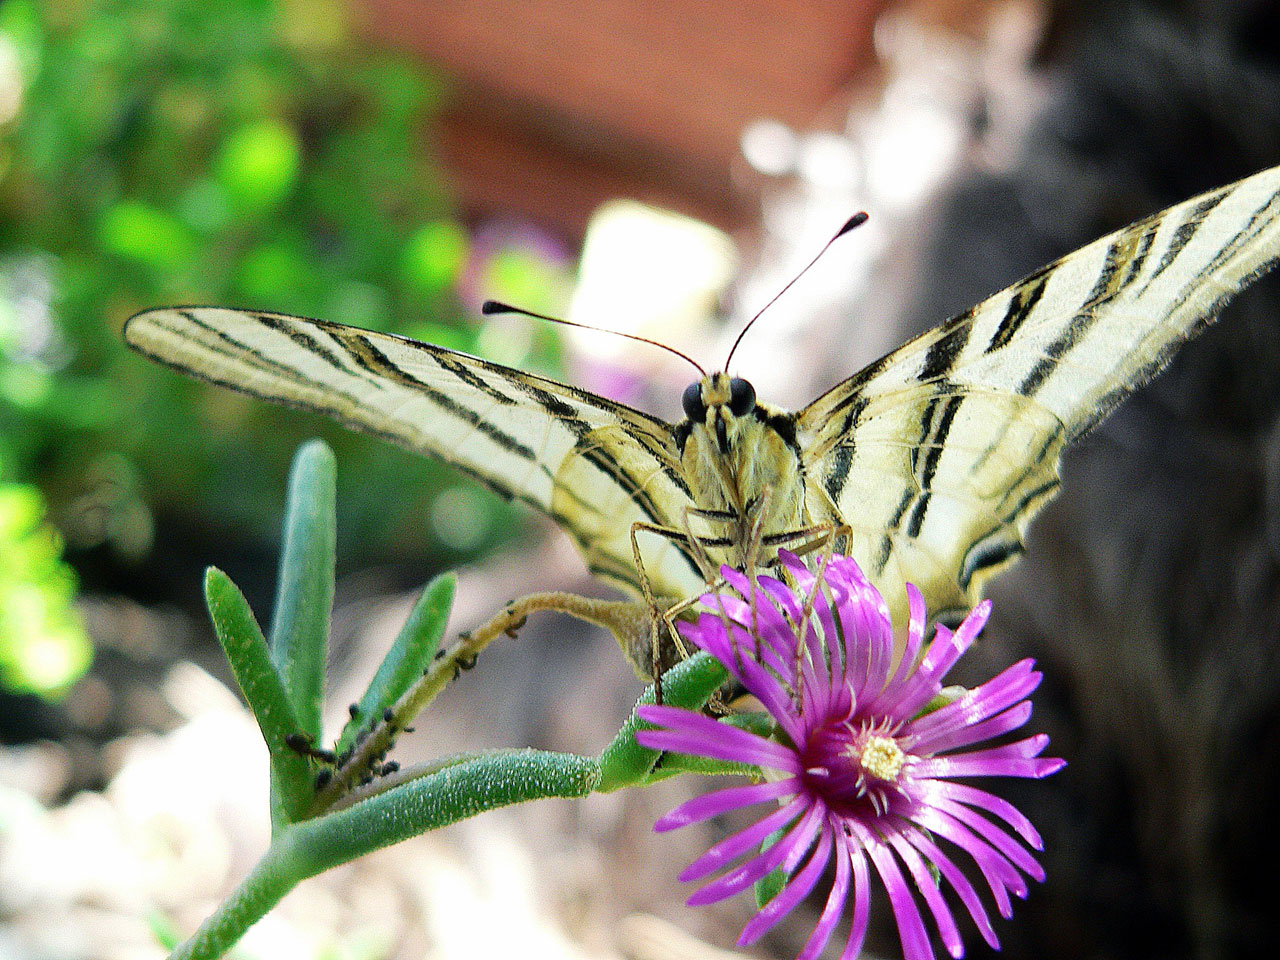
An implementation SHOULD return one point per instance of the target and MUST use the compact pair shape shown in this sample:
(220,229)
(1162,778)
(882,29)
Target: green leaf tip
(407,659)
(688,684)
(260,683)
(304,595)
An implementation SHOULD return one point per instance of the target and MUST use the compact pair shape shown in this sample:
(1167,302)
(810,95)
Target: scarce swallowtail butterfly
(930,462)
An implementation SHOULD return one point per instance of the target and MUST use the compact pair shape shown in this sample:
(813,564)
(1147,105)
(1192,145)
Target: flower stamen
(882,758)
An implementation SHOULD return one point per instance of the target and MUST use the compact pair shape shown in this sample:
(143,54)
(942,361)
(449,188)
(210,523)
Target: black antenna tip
(857,220)
(496,306)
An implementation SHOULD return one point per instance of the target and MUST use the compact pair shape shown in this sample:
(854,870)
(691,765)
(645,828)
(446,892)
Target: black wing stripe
(377,363)
(239,350)
(449,365)
(1261,218)
(942,353)
(1183,233)
(838,476)
(242,352)
(1023,301)
(302,339)
(1110,283)
(937,444)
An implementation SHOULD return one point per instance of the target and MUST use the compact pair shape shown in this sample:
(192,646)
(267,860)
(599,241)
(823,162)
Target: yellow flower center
(882,758)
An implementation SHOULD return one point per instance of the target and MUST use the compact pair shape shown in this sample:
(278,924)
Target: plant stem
(369,752)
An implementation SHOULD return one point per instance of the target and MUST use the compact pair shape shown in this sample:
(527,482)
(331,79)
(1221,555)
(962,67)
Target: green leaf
(689,684)
(409,657)
(246,651)
(446,796)
(304,597)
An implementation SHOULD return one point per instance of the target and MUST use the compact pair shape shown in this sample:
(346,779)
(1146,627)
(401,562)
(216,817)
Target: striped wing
(594,465)
(939,454)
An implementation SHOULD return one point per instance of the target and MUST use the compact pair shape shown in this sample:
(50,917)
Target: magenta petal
(861,898)
(1010,686)
(904,700)
(1005,844)
(722,801)
(972,624)
(911,931)
(711,634)
(728,642)
(789,896)
(765,687)
(782,595)
(815,682)
(917,618)
(734,578)
(999,873)
(800,837)
(692,733)
(962,735)
(1002,808)
(1018,759)
(834,906)
(734,845)
(766,623)
(959,882)
(924,882)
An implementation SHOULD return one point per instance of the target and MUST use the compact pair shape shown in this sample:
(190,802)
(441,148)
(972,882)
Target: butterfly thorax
(742,463)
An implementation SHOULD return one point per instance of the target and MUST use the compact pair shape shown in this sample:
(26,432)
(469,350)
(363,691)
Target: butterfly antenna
(490,307)
(857,220)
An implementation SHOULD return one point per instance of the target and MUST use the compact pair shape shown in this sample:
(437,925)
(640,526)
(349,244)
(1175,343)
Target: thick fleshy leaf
(304,594)
(407,659)
(250,659)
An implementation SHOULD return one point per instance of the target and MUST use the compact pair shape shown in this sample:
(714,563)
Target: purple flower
(859,774)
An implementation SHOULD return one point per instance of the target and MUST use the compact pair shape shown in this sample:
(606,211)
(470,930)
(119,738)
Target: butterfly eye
(694,408)
(742,397)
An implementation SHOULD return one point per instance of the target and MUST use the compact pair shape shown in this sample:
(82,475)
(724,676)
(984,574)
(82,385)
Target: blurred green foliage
(43,644)
(241,152)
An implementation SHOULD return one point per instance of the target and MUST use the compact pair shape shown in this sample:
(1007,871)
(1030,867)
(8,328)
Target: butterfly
(929,463)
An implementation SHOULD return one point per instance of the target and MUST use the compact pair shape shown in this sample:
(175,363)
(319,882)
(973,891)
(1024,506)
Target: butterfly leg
(657,614)
(820,535)
(667,616)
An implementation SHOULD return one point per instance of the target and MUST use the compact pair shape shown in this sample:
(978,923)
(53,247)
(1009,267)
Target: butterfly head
(718,402)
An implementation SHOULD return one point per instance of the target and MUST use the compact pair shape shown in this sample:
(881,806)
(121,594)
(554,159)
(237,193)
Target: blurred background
(391,164)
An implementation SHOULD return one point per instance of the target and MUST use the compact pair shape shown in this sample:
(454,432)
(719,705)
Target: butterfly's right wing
(939,454)
(594,465)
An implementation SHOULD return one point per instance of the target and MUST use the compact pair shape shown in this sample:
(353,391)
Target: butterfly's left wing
(938,455)
(594,465)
